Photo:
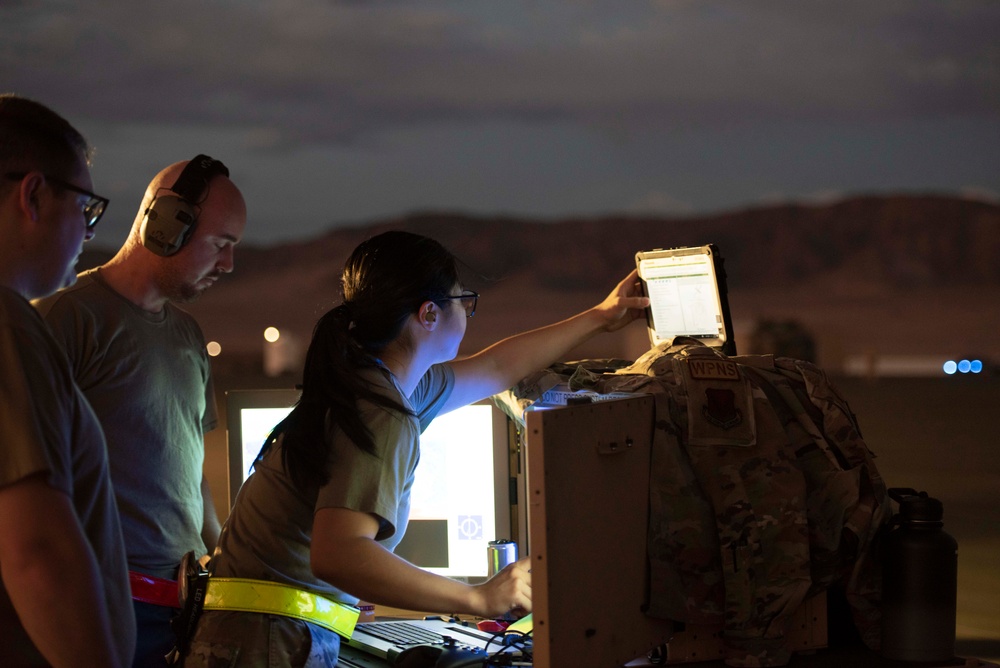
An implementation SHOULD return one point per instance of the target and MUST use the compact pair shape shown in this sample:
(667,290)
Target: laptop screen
(687,295)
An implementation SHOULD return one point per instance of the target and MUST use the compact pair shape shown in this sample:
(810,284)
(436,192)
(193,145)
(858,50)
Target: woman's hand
(507,591)
(624,304)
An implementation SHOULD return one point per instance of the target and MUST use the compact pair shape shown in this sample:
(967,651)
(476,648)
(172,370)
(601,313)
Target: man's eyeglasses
(469,298)
(94,207)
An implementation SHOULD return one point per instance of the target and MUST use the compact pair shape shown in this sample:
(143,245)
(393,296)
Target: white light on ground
(213,348)
(271,334)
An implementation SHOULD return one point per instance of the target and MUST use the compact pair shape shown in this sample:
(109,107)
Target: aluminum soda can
(499,553)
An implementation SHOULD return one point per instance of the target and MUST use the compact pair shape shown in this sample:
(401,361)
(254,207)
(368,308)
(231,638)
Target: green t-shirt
(269,531)
(48,428)
(148,378)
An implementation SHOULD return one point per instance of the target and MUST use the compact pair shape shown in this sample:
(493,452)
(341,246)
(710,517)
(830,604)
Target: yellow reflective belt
(278,599)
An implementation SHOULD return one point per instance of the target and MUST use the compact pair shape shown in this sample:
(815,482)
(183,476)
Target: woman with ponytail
(329,496)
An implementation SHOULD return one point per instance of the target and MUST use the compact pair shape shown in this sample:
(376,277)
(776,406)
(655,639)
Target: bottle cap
(921,509)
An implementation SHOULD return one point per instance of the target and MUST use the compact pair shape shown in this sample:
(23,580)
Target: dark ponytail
(385,281)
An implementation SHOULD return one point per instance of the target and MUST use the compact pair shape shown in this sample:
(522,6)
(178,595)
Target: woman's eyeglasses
(469,299)
(92,209)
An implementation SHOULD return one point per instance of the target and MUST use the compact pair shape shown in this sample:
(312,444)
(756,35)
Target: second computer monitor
(461,496)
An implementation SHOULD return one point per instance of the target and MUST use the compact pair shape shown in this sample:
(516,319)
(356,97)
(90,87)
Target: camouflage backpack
(762,491)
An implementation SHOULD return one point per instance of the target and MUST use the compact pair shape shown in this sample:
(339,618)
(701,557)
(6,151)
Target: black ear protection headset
(169,220)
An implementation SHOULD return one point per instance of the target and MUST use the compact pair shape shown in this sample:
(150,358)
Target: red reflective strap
(157,591)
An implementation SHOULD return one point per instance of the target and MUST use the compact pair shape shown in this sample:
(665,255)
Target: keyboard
(401,633)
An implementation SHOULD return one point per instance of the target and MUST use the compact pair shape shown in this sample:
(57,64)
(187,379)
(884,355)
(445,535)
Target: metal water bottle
(919,582)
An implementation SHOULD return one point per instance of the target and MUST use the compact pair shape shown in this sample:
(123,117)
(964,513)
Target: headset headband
(196,175)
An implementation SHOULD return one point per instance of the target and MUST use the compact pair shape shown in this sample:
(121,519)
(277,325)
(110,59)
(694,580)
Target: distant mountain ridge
(901,241)
(888,275)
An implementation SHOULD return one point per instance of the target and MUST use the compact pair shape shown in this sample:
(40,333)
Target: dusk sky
(333,113)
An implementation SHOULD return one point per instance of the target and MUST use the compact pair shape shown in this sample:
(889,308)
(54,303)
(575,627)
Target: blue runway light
(976,366)
(950,367)
(964,366)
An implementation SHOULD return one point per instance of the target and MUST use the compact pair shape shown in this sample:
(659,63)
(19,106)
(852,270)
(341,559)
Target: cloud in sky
(333,112)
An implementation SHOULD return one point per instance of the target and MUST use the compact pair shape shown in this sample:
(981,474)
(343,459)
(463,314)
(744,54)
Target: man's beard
(187,293)
(183,292)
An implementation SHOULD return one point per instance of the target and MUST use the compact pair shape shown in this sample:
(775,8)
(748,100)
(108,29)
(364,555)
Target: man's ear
(29,192)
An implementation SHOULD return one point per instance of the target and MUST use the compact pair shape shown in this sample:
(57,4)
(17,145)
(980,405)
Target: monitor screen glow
(460,498)
(454,488)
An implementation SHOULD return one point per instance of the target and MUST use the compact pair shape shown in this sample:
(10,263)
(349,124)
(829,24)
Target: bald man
(141,362)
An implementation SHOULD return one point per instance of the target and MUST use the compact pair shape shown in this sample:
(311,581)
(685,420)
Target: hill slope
(905,274)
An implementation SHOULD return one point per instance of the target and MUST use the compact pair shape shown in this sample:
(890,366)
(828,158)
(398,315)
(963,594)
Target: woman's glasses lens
(469,301)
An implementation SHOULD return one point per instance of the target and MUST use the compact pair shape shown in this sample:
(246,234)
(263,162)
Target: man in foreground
(64,597)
